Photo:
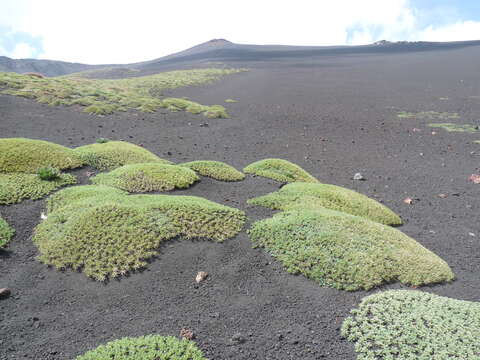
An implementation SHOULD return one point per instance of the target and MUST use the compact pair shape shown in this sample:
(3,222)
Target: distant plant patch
(148,177)
(6,232)
(107,233)
(15,187)
(407,324)
(280,170)
(215,169)
(106,96)
(428,115)
(177,104)
(346,252)
(456,127)
(230,101)
(150,347)
(112,154)
(48,173)
(27,155)
(310,196)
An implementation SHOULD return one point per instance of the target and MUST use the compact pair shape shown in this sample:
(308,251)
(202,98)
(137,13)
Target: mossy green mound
(150,347)
(113,154)
(6,232)
(215,169)
(107,233)
(212,111)
(280,170)
(408,324)
(450,127)
(345,251)
(106,96)
(27,155)
(305,195)
(15,187)
(148,177)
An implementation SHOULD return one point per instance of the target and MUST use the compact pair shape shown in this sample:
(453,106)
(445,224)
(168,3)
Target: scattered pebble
(359,176)
(201,276)
(471,234)
(475,178)
(408,200)
(442,196)
(434,133)
(4,293)
(43,216)
(89,173)
(238,339)
(187,334)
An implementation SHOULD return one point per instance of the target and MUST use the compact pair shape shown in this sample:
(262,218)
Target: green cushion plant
(107,233)
(15,187)
(113,154)
(306,195)
(215,169)
(345,251)
(150,347)
(177,104)
(148,177)
(27,155)
(409,324)
(6,232)
(280,170)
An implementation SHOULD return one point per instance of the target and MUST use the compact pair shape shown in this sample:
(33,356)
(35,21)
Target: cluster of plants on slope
(149,347)
(30,169)
(408,324)
(336,236)
(106,96)
(106,233)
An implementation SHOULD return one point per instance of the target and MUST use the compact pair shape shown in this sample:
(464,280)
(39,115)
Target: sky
(126,31)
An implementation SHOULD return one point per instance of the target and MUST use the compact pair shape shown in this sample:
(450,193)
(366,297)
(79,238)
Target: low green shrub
(230,101)
(107,233)
(425,115)
(215,169)
(15,187)
(280,170)
(48,173)
(102,140)
(450,127)
(408,324)
(148,177)
(150,347)
(6,232)
(113,154)
(305,195)
(346,251)
(27,155)
(177,104)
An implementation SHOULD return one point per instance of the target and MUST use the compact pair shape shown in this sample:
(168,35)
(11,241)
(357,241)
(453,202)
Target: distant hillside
(216,51)
(46,67)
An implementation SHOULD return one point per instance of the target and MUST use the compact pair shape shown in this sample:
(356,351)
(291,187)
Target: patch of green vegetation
(27,155)
(48,173)
(450,127)
(280,170)
(150,347)
(113,154)
(107,233)
(15,187)
(408,324)
(6,232)
(428,115)
(345,251)
(148,177)
(102,140)
(106,96)
(476,141)
(215,169)
(177,104)
(311,196)
(230,101)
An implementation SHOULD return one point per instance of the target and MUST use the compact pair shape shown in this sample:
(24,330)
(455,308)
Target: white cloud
(120,31)
(22,51)
(466,30)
